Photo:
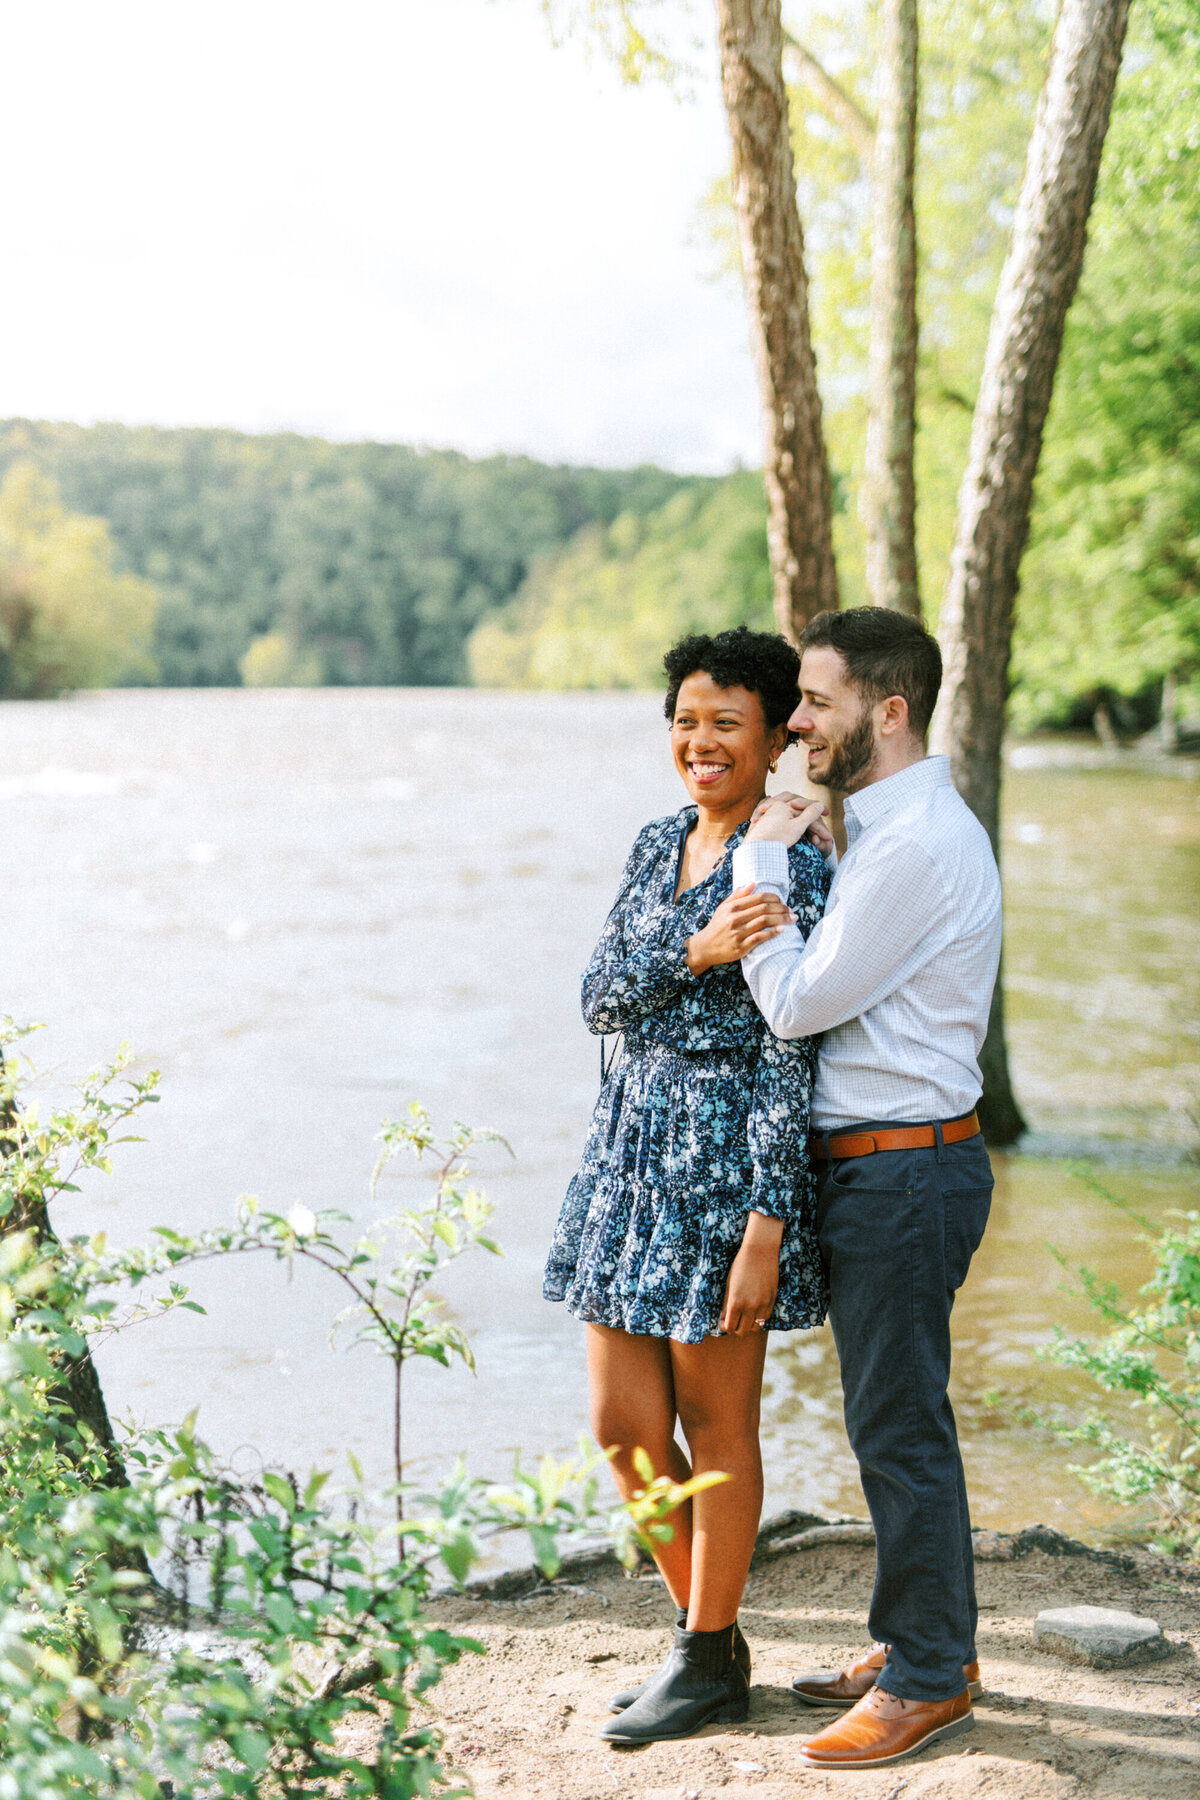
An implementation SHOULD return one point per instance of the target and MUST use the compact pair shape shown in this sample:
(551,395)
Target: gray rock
(1099,1636)
(994,1546)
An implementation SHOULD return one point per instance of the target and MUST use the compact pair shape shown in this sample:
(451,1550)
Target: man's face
(835,722)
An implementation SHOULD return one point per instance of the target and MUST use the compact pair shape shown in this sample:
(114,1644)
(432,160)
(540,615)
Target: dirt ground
(522,1722)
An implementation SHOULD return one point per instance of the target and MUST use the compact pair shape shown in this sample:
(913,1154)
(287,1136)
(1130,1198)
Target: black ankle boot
(699,1684)
(741,1656)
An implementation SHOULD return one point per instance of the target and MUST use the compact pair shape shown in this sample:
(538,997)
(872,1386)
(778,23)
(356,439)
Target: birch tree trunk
(888,496)
(799,494)
(1038,282)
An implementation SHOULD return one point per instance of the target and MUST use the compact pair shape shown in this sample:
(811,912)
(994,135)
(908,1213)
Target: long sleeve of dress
(777,1128)
(641,959)
(778,1123)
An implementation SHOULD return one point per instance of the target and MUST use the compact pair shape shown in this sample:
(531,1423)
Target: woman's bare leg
(717,1394)
(633,1406)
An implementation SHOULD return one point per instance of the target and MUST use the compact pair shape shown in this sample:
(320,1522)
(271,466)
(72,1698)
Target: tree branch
(833,99)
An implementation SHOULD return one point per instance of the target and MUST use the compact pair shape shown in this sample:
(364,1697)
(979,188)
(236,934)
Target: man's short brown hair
(885,653)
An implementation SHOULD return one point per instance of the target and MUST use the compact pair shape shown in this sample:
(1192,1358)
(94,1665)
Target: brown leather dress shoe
(824,1688)
(882,1728)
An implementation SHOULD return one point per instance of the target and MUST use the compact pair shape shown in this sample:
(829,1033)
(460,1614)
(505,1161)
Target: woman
(688,1232)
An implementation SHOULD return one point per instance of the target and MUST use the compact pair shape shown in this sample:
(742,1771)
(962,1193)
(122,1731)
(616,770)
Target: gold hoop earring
(773,764)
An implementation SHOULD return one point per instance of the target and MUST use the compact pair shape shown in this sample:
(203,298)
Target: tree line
(276,558)
(288,560)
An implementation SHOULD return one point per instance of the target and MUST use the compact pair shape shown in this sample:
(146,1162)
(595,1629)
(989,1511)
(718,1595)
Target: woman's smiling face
(721,744)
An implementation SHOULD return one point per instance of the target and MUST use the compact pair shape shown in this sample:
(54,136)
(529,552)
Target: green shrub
(1150,1357)
(313,1600)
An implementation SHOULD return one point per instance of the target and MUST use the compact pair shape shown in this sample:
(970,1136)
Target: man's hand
(739,923)
(784,819)
(753,1278)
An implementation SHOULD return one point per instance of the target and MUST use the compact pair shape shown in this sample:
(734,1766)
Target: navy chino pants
(898,1230)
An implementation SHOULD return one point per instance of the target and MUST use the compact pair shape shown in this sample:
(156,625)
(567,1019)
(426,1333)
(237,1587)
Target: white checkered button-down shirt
(899,973)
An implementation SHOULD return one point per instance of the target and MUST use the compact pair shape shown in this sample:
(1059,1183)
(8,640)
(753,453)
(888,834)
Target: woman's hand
(739,923)
(784,819)
(753,1278)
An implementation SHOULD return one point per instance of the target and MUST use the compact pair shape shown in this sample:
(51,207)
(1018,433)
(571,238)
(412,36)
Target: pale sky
(411,220)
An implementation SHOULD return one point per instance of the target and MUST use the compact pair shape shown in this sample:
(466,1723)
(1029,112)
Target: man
(898,977)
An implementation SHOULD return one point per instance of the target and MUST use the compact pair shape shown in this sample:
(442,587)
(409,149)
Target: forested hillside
(289,560)
(600,612)
(357,562)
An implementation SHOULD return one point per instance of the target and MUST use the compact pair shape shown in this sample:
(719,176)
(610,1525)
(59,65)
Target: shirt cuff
(670,949)
(763,862)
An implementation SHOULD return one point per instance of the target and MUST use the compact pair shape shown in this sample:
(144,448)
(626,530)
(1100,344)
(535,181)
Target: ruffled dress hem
(642,1321)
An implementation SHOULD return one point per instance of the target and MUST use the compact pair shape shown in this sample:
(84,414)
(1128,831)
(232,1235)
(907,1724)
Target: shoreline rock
(788,1531)
(1099,1636)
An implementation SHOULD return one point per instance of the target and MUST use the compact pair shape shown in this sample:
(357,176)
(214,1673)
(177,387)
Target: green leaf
(316,1482)
(545,1549)
(281,1611)
(643,1465)
(253,1747)
(444,1229)
(280,1491)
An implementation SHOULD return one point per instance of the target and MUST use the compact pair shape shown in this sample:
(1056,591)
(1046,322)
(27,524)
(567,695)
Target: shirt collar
(876,801)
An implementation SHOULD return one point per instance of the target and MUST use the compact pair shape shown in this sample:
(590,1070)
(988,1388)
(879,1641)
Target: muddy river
(308,908)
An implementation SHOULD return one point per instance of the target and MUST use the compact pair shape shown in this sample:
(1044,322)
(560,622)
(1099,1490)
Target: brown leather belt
(824,1145)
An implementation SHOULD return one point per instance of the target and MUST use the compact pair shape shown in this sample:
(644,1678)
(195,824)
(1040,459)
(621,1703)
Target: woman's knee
(618,1426)
(630,1391)
(717,1389)
(712,1433)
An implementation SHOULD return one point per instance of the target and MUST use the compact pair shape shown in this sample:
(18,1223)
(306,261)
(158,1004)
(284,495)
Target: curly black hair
(760,661)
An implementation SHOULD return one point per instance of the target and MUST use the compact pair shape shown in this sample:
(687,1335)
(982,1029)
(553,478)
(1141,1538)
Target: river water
(308,908)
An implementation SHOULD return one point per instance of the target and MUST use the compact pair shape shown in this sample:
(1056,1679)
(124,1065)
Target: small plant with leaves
(1150,1358)
(644,1521)
(388,1271)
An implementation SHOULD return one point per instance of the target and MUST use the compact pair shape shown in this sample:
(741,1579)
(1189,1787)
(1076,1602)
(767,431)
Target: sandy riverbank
(522,1722)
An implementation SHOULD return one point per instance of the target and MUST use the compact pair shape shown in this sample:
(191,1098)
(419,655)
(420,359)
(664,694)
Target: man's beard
(849,758)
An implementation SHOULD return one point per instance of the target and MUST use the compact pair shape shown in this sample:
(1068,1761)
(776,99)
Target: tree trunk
(799,494)
(1000,1117)
(889,501)
(1041,272)
(78,1385)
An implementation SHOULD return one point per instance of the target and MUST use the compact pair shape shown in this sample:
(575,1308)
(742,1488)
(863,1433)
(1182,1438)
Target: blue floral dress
(702,1118)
